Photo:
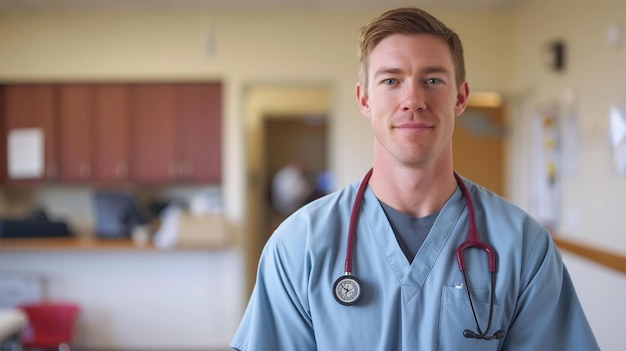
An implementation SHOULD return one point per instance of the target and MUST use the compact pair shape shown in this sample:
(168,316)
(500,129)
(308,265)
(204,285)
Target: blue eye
(432,81)
(390,81)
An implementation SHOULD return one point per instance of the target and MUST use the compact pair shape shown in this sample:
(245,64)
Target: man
(413,214)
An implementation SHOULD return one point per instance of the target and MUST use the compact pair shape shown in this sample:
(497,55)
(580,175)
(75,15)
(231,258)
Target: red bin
(50,325)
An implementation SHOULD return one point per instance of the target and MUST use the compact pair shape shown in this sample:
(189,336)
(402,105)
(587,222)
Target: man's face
(412,99)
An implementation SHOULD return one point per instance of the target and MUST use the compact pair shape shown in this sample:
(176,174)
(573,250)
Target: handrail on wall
(603,257)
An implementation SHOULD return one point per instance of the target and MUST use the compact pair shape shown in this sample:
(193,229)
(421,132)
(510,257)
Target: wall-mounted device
(555,55)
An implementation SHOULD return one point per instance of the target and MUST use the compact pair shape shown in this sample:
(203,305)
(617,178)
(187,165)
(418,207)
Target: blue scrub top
(418,306)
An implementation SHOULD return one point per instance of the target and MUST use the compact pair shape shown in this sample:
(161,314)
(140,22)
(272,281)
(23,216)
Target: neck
(418,192)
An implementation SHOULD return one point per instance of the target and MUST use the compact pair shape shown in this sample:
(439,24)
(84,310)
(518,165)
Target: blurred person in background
(290,188)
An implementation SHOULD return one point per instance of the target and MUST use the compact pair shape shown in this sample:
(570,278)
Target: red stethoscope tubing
(353,221)
(473,239)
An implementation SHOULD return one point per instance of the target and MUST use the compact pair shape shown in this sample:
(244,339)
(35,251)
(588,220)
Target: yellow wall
(593,196)
(592,200)
(316,48)
(239,48)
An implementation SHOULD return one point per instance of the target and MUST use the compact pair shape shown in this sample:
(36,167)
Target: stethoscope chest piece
(347,290)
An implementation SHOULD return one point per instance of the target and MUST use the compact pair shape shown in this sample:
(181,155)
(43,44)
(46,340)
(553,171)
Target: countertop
(90,243)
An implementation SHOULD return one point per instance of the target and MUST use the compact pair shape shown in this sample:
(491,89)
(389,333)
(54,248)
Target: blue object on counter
(117,213)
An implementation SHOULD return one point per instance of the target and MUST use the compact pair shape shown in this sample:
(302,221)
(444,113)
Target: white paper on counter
(25,153)
(166,237)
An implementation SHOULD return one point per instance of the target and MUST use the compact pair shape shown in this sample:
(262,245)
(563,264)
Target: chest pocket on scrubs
(456,316)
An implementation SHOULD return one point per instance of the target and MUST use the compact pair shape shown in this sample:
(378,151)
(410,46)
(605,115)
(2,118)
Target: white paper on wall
(618,139)
(25,153)
(570,134)
(545,202)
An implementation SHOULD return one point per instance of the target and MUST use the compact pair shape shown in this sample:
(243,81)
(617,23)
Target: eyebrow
(436,69)
(427,70)
(387,70)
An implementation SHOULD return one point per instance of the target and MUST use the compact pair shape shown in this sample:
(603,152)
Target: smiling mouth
(413,127)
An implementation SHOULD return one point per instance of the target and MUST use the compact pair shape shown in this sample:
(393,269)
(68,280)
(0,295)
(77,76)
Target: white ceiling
(8,5)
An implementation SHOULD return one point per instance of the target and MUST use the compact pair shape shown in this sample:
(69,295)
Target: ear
(461,99)
(363,100)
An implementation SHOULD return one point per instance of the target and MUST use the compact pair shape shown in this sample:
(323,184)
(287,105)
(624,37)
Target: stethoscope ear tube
(473,241)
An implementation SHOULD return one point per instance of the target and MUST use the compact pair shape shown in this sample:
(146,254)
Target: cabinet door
(111,112)
(201,132)
(154,130)
(75,132)
(3,145)
(32,106)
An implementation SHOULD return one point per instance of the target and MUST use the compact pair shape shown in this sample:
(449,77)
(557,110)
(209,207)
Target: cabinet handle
(121,169)
(188,169)
(52,171)
(85,170)
(173,169)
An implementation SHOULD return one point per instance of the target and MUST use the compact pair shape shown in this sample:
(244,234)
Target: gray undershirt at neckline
(410,232)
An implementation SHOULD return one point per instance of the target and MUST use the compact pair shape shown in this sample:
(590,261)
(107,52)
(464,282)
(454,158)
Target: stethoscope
(348,289)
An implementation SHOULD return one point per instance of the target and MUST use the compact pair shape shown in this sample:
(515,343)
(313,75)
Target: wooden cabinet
(94,134)
(33,106)
(75,122)
(201,132)
(176,133)
(111,131)
(154,127)
(3,133)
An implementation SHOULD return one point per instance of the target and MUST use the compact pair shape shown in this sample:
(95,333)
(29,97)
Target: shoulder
(494,207)
(509,225)
(323,217)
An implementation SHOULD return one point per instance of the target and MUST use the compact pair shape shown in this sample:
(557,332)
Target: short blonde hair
(407,20)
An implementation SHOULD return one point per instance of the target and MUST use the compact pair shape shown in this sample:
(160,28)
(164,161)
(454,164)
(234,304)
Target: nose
(413,98)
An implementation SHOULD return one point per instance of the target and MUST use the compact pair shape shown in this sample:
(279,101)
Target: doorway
(279,119)
(289,140)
